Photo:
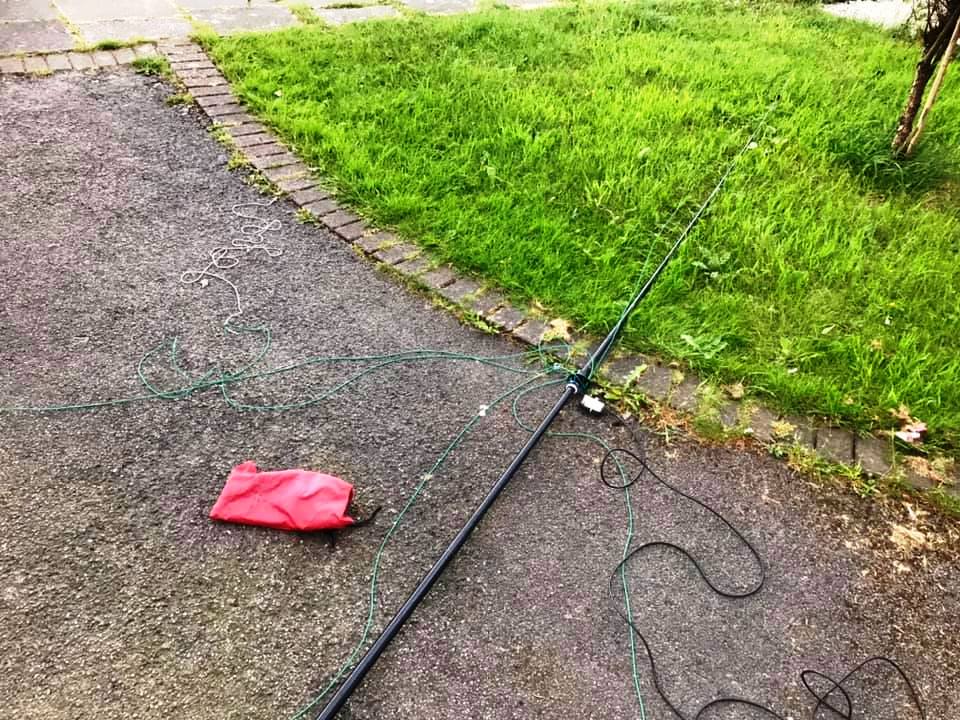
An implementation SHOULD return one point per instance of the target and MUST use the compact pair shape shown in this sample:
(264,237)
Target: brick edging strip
(658,382)
(45,64)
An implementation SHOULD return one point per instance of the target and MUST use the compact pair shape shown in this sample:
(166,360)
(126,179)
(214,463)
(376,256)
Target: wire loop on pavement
(847,709)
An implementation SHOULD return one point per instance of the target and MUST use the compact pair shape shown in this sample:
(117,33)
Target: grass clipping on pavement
(548,150)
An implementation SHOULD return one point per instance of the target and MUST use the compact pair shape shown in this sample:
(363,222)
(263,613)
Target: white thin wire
(252,239)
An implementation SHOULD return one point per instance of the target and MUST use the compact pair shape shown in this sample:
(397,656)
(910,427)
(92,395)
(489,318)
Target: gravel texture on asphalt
(119,598)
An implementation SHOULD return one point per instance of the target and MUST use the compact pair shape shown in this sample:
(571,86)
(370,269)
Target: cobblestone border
(73,60)
(657,381)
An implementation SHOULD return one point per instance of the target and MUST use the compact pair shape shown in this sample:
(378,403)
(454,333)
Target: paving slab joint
(370,244)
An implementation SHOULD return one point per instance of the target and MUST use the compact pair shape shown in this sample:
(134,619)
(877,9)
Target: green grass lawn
(547,152)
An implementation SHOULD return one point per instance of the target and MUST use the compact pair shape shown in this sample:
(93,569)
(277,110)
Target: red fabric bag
(284,499)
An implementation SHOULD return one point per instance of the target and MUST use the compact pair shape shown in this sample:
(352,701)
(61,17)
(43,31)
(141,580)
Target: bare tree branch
(935,90)
(939,17)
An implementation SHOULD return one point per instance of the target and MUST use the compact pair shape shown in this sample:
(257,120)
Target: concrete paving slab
(442,7)
(885,13)
(78,11)
(228,20)
(191,5)
(340,16)
(34,36)
(135,29)
(22,10)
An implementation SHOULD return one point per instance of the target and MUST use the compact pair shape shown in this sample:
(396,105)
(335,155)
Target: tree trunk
(940,18)
(935,90)
(914,100)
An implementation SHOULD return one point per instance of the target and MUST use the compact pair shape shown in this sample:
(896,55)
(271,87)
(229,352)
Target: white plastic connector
(593,404)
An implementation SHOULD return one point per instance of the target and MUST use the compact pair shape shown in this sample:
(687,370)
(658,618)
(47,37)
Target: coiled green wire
(550,359)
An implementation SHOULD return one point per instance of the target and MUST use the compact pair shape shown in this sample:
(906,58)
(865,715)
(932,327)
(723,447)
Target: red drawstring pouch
(284,499)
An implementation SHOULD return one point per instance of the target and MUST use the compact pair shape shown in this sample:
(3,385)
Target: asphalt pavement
(119,598)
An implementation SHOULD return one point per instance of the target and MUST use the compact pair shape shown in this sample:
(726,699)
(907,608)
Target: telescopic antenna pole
(578,383)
